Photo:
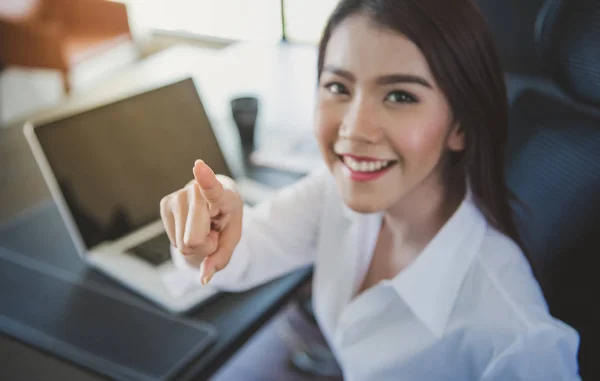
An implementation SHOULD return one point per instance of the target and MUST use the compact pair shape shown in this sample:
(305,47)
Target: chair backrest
(553,153)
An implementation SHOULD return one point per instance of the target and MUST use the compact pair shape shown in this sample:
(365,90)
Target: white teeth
(365,166)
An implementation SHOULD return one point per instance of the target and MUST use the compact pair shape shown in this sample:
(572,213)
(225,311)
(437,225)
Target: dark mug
(244,111)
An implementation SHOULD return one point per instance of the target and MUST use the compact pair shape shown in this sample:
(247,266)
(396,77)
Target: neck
(419,216)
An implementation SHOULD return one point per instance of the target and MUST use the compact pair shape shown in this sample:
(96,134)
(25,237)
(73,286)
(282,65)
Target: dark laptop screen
(115,163)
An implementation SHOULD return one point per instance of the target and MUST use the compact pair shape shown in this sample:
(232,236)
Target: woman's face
(382,123)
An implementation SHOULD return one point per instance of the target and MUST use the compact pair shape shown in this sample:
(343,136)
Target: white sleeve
(278,236)
(549,353)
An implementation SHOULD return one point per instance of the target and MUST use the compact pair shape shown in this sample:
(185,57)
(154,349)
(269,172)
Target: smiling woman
(438,89)
(379,103)
(419,271)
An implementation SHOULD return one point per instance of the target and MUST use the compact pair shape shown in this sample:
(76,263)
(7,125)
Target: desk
(236,316)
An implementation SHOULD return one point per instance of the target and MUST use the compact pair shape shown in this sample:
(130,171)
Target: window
(237,20)
(244,20)
(305,19)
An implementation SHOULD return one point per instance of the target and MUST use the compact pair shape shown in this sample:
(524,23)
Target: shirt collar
(430,285)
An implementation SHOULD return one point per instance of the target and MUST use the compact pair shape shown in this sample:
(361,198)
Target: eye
(400,97)
(336,88)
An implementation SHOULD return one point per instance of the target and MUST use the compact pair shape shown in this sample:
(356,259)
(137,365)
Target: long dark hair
(460,50)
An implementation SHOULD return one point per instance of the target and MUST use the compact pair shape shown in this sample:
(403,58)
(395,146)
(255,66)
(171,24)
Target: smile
(365,169)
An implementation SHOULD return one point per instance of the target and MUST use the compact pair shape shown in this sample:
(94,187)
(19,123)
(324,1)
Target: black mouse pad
(94,326)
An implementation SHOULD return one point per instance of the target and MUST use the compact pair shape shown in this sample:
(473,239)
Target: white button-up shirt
(467,308)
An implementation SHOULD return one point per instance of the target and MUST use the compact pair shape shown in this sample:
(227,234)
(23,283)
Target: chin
(361,198)
(364,205)
(363,208)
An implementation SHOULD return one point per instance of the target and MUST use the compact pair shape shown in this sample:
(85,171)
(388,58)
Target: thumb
(211,188)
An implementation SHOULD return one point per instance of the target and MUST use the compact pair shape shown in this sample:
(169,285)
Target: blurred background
(53,48)
(64,57)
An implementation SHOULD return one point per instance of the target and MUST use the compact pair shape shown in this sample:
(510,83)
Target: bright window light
(238,20)
(305,19)
(243,20)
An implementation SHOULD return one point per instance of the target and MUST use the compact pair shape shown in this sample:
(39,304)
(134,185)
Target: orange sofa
(59,34)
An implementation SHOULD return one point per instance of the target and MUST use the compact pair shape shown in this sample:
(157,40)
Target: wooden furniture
(60,34)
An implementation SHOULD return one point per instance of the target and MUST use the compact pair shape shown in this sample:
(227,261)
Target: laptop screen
(114,163)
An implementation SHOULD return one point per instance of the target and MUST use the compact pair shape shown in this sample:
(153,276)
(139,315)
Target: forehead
(366,50)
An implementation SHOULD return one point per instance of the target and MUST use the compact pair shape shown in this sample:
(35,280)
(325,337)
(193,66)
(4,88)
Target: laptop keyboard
(156,250)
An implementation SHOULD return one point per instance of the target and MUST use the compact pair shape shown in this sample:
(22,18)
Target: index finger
(211,188)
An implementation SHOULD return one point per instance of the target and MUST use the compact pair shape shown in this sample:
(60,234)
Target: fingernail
(199,161)
(207,278)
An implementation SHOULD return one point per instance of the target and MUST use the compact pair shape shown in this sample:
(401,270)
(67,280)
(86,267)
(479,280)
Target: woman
(419,273)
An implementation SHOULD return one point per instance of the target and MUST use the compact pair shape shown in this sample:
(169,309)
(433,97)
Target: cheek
(420,141)
(326,125)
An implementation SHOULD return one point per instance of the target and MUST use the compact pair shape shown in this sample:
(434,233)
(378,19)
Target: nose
(360,121)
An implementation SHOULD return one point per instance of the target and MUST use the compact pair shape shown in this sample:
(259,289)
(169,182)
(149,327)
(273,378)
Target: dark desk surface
(40,234)
(37,225)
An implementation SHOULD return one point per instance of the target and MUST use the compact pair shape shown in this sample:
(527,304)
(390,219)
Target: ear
(456,138)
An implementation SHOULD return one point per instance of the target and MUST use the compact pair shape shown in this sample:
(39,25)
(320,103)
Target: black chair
(553,154)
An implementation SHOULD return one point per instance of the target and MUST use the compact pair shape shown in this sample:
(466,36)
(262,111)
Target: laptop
(109,166)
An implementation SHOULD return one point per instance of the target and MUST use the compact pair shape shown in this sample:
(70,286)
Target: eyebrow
(389,79)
